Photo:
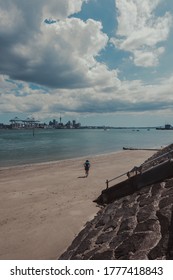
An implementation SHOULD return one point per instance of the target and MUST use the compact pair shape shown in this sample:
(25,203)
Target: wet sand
(44,206)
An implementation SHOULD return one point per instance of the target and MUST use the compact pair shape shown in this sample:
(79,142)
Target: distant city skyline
(95,61)
(27,122)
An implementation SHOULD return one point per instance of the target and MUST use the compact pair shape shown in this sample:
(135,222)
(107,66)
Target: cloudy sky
(100,62)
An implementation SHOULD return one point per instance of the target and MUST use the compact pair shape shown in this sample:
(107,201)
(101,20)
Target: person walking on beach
(87,167)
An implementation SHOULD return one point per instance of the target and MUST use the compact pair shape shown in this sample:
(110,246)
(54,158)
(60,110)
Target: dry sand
(44,206)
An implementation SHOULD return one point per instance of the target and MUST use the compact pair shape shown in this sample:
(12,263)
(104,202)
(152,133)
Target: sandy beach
(44,206)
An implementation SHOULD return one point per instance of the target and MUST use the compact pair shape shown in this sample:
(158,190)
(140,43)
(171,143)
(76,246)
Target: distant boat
(166,127)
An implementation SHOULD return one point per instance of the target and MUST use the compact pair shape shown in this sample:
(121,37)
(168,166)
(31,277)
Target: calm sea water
(21,147)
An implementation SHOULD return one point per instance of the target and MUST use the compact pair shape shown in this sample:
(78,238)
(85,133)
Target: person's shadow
(82,176)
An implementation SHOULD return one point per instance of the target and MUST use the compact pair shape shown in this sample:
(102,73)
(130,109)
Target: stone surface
(137,226)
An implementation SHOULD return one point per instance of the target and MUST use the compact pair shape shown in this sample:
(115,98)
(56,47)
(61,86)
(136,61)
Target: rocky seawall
(138,226)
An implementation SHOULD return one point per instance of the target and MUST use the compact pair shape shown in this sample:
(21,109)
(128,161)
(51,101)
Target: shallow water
(21,147)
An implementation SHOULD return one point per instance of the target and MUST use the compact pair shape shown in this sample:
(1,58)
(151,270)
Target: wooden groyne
(141,149)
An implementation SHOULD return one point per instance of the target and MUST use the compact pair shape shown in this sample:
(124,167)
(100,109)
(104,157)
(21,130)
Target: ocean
(18,147)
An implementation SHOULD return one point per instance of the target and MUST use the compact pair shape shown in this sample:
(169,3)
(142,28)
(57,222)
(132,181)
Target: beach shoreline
(43,206)
(53,162)
(78,158)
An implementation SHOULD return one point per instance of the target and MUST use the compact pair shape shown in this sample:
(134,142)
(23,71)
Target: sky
(99,62)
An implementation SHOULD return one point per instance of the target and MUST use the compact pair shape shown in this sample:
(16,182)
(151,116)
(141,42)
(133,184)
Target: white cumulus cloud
(48,58)
(59,55)
(140,30)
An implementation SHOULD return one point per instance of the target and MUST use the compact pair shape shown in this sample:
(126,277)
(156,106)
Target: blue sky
(100,62)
